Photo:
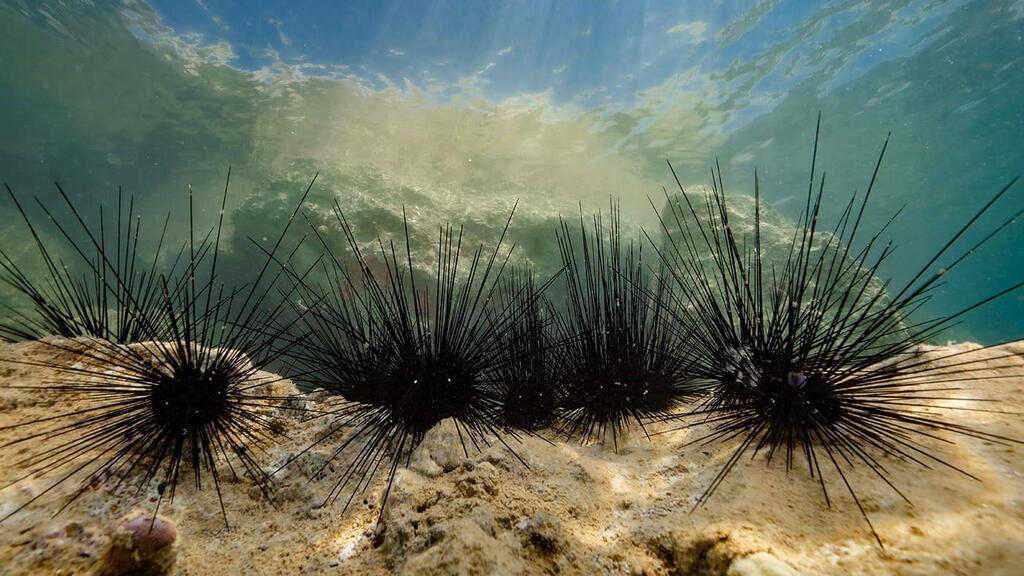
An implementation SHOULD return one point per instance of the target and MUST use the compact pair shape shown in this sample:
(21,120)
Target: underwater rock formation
(373,204)
(140,543)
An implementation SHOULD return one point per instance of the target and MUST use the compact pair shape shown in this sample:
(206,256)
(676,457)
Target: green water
(100,95)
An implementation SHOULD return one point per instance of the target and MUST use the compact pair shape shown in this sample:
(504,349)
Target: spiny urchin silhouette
(813,355)
(400,353)
(616,359)
(526,377)
(184,399)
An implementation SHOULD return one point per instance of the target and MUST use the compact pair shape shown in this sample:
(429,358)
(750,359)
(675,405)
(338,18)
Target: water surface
(456,109)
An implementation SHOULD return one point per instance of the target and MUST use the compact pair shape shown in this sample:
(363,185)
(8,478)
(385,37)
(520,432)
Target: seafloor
(574,510)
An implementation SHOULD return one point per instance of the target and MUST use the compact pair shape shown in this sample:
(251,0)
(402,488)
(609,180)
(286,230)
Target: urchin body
(189,399)
(809,353)
(184,395)
(526,376)
(398,358)
(616,363)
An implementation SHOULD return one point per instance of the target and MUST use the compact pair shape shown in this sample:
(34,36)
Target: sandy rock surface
(571,510)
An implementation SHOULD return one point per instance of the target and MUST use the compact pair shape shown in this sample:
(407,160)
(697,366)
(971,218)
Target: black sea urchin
(185,398)
(526,374)
(400,357)
(812,355)
(616,359)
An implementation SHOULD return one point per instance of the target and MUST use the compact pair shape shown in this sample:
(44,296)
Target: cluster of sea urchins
(808,354)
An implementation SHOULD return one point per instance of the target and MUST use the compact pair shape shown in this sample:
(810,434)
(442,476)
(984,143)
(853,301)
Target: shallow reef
(571,509)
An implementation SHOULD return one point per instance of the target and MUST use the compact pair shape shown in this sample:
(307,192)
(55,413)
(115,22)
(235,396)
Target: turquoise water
(455,110)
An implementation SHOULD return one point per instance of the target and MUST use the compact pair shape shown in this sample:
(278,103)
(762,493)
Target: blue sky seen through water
(456,109)
(590,53)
